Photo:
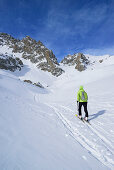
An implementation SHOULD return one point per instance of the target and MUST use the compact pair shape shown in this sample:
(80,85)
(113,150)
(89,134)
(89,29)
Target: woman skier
(82,99)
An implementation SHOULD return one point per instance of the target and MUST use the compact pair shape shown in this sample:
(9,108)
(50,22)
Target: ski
(87,121)
(83,120)
(79,118)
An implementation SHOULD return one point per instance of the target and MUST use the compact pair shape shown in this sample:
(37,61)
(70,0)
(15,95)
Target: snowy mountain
(38,126)
(79,60)
(32,50)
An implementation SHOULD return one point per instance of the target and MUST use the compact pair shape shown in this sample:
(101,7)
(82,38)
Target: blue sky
(66,27)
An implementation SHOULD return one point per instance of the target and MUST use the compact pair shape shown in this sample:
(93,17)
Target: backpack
(83,96)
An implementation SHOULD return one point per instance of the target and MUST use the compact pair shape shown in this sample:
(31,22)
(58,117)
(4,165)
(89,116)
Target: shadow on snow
(94,116)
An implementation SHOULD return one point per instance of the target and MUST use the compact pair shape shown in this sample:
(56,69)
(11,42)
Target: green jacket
(82,95)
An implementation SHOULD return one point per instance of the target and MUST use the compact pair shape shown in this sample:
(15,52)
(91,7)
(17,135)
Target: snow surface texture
(38,127)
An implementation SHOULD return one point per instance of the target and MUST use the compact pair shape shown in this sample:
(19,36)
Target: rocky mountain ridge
(78,60)
(35,51)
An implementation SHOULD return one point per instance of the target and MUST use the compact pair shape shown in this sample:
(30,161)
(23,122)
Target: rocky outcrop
(6,39)
(34,51)
(100,61)
(10,63)
(78,60)
(35,84)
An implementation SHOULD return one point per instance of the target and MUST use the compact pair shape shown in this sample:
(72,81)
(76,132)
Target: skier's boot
(86,119)
(80,117)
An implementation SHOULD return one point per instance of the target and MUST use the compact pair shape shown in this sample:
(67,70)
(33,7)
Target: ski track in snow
(98,145)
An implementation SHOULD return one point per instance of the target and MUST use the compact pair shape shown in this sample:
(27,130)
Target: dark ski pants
(84,104)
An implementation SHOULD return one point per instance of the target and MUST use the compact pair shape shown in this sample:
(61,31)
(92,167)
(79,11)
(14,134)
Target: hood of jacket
(81,88)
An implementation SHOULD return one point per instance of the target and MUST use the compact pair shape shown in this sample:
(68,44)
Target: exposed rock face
(35,51)
(79,60)
(35,84)
(10,63)
(6,39)
(100,61)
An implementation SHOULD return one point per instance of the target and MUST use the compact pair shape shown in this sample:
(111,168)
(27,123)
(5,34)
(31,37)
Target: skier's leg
(80,105)
(85,109)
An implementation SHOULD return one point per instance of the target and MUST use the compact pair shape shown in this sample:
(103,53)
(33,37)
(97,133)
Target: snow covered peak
(32,50)
(6,39)
(43,58)
(5,36)
(79,60)
(28,40)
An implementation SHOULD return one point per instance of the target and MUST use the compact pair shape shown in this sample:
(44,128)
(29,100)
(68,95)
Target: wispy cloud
(101,51)
(57,21)
(67,26)
(79,21)
(87,18)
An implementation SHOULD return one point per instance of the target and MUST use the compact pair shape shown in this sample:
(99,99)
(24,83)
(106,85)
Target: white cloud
(86,18)
(101,51)
(79,22)
(57,21)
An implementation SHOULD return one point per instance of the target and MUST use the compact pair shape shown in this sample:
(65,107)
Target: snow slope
(38,127)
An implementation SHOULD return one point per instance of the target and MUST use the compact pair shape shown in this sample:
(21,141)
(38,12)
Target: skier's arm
(86,97)
(78,97)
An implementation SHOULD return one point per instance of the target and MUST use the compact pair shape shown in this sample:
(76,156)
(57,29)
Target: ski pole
(78,108)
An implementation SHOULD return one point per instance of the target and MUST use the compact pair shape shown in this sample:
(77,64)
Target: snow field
(39,129)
